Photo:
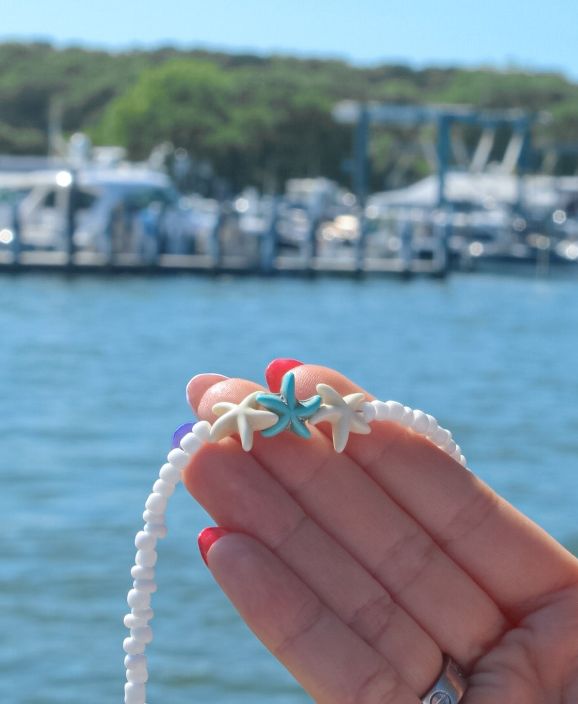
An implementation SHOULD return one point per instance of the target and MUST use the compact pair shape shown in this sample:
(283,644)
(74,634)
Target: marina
(91,211)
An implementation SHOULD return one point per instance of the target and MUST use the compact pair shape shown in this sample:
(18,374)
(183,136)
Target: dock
(90,263)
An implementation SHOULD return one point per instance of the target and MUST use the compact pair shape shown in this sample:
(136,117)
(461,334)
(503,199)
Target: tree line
(255,120)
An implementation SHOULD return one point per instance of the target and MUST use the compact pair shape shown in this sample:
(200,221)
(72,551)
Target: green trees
(258,121)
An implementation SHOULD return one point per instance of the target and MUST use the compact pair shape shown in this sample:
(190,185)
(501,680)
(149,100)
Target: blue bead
(180,433)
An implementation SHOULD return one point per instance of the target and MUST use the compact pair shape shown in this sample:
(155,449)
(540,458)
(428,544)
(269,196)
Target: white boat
(116,204)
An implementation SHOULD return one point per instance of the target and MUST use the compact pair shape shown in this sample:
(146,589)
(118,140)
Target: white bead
(145,585)
(132,646)
(450,448)
(433,426)
(133,621)
(146,558)
(191,443)
(146,613)
(157,529)
(144,541)
(156,503)
(140,572)
(163,488)
(395,411)
(420,422)
(134,693)
(369,412)
(138,600)
(135,662)
(138,676)
(381,410)
(150,517)
(442,437)
(170,474)
(144,634)
(202,429)
(178,458)
(463,461)
(407,417)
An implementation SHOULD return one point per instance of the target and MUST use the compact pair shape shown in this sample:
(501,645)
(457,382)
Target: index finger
(511,557)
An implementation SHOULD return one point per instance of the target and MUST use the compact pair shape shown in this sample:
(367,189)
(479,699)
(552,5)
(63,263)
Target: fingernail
(277,369)
(180,433)
(214,378)
(207,537)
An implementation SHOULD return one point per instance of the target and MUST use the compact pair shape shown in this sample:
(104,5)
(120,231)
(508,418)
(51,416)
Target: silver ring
(449,687)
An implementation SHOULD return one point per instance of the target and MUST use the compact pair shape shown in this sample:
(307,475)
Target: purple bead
(180,433)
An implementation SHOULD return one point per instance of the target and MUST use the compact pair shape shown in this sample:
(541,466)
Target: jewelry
(449,687)
(269,414)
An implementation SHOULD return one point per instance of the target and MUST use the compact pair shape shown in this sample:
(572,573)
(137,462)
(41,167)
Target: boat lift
(363,115)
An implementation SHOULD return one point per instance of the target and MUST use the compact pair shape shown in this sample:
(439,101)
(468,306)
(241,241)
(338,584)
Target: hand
(358,570)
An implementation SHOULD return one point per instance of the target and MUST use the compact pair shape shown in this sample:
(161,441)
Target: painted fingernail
(207,537)
(277,369)
(180,433)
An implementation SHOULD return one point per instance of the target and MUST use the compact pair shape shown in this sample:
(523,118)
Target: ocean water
(92,378)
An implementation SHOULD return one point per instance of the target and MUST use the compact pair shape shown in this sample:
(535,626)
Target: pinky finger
(331,662)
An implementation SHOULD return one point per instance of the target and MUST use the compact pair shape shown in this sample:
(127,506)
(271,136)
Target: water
(91,388)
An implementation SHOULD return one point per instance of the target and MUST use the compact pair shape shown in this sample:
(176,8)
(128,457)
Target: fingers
(329,660)
(514,560)
(240,495)
(349,506)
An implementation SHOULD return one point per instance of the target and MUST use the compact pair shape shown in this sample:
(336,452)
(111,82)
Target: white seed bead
(132,646)
(420,422)
(170,474)
(134,693)
(133,621)
(144,541)
(138,676)
(156,503)
(450,448)
(442,437)
(407,417)
(369,412)
(202,429)
(135,662)
(150,517)
(159,530)
(140,572)
(144,634)
(463,461)
(381,410)
(163,488)
(191,443)
(138,600)
(433,426)
(146,558)
(395,411)
(145,585)
(178,458)
(146,613)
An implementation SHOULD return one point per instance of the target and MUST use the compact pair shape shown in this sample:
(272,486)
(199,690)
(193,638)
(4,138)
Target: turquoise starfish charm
(292,412)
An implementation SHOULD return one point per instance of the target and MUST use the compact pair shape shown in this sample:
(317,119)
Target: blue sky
(525,33)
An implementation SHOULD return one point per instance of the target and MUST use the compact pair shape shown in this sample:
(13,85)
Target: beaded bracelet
(269,414)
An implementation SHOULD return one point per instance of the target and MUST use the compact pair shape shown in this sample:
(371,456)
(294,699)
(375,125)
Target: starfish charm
(243,418)
(344,414)
(290,411)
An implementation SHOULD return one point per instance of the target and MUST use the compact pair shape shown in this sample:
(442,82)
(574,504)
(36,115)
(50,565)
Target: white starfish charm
(343,412)
(243,418)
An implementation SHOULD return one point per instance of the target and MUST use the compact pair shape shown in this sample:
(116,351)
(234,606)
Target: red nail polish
(277,369)
(207,537)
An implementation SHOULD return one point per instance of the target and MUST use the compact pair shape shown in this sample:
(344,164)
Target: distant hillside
(255,120)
